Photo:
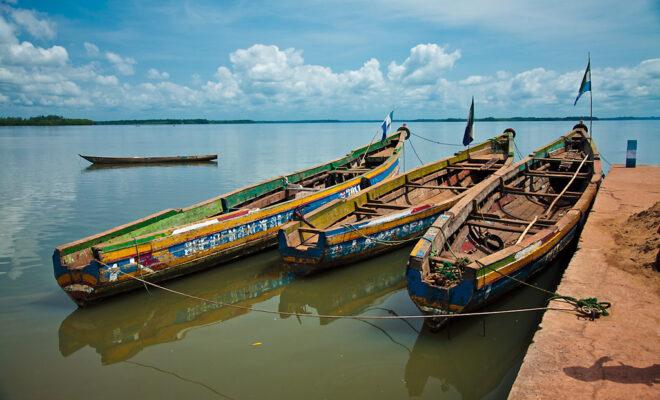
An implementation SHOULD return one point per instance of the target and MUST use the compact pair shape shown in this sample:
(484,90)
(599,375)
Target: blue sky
(326,59)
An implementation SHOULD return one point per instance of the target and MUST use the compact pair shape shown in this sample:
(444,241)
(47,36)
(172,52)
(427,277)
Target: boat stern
(302,249)
(439,291)
(79,281)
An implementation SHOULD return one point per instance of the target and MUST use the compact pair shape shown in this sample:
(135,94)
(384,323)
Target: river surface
(157,345)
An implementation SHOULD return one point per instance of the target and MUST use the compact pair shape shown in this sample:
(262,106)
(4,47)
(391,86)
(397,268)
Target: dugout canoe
(149,160)
(176,242)
(390,214)
(515,225)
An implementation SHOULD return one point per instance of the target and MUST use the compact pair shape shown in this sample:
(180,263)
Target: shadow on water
(479,357)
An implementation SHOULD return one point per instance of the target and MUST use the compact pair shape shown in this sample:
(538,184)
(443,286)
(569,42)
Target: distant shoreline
(54,120)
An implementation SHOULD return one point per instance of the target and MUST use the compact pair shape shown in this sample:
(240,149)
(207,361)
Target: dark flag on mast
(468,136)
(585,86)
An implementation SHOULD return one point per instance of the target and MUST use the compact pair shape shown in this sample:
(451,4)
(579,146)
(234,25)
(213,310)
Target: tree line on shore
(55,120)
(44,120)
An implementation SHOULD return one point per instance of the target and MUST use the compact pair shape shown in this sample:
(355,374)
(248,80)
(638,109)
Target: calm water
(158,345)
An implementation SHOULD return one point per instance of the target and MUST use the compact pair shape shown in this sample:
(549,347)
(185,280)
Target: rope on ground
(588,306)
(436,142)
(354,317)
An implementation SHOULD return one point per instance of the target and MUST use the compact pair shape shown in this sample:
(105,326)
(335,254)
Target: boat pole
(591,100)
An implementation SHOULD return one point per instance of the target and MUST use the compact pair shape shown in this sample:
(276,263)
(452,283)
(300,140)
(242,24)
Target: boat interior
(531,200)
(439,185)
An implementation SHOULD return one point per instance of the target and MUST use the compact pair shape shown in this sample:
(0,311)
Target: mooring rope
(517,150)
(436,142)
(415,151)
(354,317)
(589,306)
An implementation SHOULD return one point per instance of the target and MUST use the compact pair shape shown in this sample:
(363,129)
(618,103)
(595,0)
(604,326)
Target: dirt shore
(618,356)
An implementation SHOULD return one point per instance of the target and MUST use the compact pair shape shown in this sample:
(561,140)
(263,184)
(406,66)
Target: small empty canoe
(518,221)
(149,160)
(391,214)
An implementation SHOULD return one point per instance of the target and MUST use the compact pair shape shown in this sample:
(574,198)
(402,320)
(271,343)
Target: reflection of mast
(118,330)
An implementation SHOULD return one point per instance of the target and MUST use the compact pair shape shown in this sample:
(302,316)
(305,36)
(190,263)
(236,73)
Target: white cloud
(91,49)
(424,65)
(154,74)
(265,81)
(123,65)
(26,53)
(38,28)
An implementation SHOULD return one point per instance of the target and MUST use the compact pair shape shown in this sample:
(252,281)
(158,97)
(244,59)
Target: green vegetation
(170,121)
(44,120)
(52,120)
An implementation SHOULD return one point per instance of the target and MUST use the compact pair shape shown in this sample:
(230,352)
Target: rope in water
(355,317)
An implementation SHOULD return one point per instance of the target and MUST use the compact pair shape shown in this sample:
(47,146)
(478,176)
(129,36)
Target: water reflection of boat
(150,160)
(345,291)
(120,329)
(479,357)
(103,167)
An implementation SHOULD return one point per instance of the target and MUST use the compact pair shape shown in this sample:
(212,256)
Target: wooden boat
(176,242)
(149,160)
(391,213)
(519,221)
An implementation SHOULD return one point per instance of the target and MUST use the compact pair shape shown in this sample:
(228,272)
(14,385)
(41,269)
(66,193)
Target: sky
(327,59)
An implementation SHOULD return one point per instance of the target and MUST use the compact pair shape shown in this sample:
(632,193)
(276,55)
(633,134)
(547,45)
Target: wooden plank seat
(310,230)
(481,168)
(517,191)
(384,205)
(573,160)
(497,218)
(414,185)
(498,226)
(581,175)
